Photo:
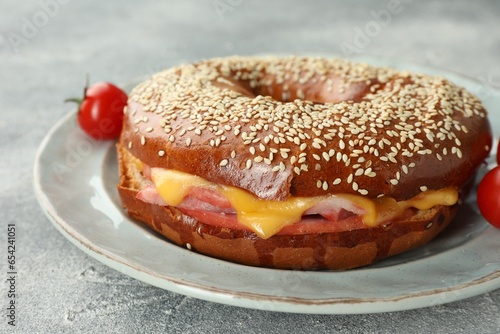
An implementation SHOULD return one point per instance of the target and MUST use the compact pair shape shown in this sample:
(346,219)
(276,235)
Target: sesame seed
(423,188)
(224,162)
(399,117)
(363,192)
(337,181)
(161,153)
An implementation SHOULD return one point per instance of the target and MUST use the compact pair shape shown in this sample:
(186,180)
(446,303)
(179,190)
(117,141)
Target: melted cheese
(173,186)
(266,217)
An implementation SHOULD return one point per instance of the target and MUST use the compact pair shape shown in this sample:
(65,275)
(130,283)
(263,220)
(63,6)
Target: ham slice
(308,224)
(149,194)
(206,205)
(197,199)
(335,209)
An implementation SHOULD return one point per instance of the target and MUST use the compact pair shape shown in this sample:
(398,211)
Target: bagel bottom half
(339,250)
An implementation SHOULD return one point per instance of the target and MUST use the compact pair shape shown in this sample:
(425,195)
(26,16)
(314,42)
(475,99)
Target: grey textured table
(46,47)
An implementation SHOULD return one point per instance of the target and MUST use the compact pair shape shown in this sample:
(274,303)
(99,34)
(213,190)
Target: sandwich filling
(235,208)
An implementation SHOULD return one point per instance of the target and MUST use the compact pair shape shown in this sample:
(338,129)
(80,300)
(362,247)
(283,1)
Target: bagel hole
(313,90)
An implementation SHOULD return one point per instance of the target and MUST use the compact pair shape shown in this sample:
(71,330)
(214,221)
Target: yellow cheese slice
(266,217)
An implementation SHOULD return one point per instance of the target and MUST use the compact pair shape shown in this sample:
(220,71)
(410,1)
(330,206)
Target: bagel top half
(303,127)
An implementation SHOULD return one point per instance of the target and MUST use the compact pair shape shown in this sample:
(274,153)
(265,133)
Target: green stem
(75,100)
(79,101)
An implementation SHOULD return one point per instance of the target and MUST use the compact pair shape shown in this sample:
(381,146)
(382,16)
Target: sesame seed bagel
(307,251)
(280,127)
(381,143)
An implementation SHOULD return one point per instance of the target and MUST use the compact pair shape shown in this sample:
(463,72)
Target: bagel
(298,162)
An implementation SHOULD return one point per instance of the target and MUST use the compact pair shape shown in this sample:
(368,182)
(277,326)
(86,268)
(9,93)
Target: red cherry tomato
(488,196)
(100,113)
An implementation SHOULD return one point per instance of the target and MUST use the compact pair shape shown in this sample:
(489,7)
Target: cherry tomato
(488,196)
(100,112)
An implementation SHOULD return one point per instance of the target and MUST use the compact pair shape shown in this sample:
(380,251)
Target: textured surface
(387,123)
(60,289)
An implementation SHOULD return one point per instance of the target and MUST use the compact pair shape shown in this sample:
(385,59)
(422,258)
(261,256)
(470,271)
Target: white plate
(75,179)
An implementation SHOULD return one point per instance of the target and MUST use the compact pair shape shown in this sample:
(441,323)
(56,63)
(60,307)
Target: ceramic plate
(75,182)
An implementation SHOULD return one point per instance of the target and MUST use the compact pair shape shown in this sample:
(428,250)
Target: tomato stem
(77,100)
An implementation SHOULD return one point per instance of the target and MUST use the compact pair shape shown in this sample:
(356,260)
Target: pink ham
(210,207)
(211,197)
(197,199)
(336,209)
(149,194)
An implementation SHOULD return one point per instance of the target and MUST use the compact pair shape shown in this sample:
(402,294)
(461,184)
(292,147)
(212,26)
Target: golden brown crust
(341,250)
(370,131)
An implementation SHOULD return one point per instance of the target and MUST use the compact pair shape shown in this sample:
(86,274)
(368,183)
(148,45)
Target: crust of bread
(335,251)
(197,151)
